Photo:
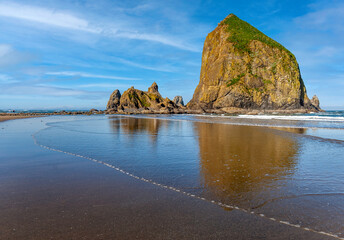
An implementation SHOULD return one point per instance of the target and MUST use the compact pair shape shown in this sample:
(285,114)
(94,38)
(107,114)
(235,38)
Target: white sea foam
(294,118)
(334,118)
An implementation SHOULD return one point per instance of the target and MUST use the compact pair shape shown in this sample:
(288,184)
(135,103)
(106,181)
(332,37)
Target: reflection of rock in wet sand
(141,125)
(240,161)
(132,126)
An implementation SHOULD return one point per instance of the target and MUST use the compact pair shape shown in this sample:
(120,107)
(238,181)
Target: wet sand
(12,117)
(50,195)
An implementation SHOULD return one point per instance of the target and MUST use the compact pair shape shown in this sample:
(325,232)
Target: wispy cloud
(104,85)
(88,75)
(5,79)
(9,56)
(45,16)
(155,38)
(4,49)
(67,20)
(139,65)
(327,18)
(320,34)
(41,90)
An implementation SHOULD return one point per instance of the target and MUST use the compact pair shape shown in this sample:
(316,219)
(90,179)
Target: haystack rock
(244,69)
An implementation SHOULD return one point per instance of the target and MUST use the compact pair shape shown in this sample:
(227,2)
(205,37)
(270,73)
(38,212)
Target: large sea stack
(244,69)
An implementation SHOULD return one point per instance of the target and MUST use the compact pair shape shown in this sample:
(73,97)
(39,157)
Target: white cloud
(138,65)
(155,38)
(45,16)
(331,18)
(88,75)
(5,79)
(66,20)
(321,56)
(5,49)
(104,85)
(326,51)
(41,90)
(9,56)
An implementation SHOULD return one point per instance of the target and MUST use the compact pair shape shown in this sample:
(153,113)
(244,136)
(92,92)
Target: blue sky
(73,54)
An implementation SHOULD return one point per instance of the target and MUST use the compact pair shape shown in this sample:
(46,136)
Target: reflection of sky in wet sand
(277,172)
(328,134)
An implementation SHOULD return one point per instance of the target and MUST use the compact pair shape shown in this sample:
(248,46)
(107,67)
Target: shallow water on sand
(293,172)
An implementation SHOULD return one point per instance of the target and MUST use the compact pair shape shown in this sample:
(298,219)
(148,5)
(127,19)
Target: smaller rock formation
(137,101)
(114,100)
(315,102)
(134,99)
(178,100)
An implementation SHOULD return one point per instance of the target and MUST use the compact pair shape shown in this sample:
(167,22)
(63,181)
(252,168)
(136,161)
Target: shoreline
(229,112)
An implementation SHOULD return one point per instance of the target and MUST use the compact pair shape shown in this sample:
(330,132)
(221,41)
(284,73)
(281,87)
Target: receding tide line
(186,193)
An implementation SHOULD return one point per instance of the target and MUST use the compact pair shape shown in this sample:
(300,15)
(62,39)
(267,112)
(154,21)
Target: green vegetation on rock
(267,81)
(242,33)
(144,102)
(134,97)
(273,67)
(235,80)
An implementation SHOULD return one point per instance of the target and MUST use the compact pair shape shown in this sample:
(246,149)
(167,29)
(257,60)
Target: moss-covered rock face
(137,99)
(243,68)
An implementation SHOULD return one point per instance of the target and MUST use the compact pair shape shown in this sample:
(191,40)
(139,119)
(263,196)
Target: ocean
(288,169)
